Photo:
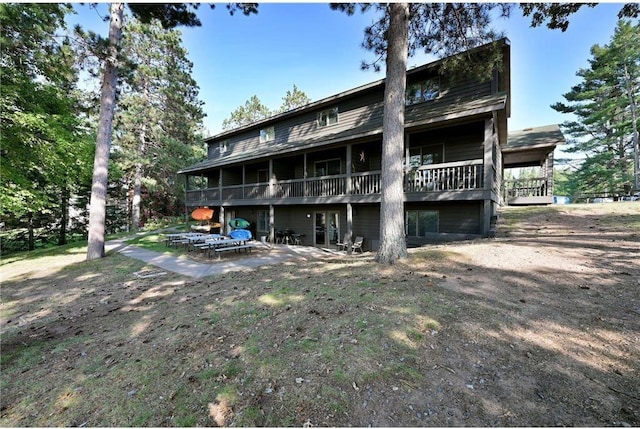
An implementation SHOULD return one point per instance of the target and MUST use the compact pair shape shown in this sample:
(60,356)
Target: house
(316,170)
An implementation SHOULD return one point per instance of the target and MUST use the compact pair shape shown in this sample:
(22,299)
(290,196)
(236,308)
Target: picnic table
(224,245)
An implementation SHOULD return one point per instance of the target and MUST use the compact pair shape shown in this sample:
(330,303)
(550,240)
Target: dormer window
(267,134)
(425,90)
(223,147)
(328,117)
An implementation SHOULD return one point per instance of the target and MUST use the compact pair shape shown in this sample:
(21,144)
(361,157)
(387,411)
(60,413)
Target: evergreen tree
(44,142)
(293,100)
(170,15)
(605,104)
(159,117)
(442,29)
(252,111)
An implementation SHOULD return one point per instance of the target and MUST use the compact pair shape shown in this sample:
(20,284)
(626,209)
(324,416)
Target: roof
(531,146)
(353,91)
(453,109)
(534,138)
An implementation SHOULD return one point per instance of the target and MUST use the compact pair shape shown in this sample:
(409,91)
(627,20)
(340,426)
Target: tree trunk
(64,215)
(634,121)
(98,204)
(392,243)
(30,240)
(137,181)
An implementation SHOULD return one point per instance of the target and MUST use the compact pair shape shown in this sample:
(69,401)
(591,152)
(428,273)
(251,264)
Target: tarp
(239,223)
(203,213)
(241,234)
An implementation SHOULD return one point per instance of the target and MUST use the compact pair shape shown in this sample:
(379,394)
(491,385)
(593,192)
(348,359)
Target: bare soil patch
(537,327)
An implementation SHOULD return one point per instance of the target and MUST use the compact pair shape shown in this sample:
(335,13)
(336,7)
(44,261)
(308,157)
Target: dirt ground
(539,326)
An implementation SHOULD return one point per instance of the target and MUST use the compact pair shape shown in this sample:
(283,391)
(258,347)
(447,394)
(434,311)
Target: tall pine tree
(159,117)
(605,104)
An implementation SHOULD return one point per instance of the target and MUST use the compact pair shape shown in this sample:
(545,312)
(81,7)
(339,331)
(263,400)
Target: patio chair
(345,242)
(357,245)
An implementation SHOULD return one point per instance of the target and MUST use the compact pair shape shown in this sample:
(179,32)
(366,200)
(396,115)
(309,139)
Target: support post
(489,141)
(349,227)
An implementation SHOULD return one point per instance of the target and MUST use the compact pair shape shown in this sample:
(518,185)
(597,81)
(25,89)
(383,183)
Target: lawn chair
(345,242)
(357,245)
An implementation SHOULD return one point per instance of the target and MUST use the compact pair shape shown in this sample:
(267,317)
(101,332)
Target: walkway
(262,255)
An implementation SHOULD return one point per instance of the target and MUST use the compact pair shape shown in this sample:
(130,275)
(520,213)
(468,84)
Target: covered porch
(531,148)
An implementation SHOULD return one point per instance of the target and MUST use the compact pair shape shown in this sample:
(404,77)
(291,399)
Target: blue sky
(319,50)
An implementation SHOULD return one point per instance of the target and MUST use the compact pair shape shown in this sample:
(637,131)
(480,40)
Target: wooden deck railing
(445,177)
(453,176)
(533,187)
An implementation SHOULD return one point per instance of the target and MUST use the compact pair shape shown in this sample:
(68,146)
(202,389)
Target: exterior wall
(357,114)
(461,143)
(460,187)
(455,217)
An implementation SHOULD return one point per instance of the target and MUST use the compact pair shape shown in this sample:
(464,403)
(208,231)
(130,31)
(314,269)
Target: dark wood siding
(454,217)
(366,223)
(461,88)
(362,112)
(461,143)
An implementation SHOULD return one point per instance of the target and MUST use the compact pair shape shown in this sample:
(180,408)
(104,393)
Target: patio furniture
(357,245)
(345,242)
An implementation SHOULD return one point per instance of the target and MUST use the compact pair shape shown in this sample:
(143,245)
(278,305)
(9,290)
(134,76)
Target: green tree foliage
(605,104)
(170,15)
(444,29)
(158,119)
(293,100)
(45,146)
(254,110)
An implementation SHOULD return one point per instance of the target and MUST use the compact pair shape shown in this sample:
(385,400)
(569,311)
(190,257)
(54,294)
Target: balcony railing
(454,176)
(445,177)
(534,187)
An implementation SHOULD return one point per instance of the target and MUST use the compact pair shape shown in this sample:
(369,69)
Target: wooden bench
(221,249)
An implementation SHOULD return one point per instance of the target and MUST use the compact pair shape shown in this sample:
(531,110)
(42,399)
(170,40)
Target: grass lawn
(483,333)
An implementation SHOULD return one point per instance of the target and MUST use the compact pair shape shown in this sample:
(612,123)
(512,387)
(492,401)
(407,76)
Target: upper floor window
(422,91)
(328,117)
(267,134)
(223,146)
(425,155)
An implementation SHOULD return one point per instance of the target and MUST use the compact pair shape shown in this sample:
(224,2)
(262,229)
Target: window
(263,221)
(263,176)
(328,117)
(425,155)
(223,146)
(267,134)
(421,222)
(425,90)
(329,167)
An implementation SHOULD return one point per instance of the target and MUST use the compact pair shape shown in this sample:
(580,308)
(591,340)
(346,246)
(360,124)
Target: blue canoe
(240,234)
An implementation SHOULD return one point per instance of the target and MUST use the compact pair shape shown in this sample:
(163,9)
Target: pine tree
(605,104)
(159,117)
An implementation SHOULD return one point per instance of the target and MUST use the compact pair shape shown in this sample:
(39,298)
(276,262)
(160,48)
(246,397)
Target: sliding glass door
(327,228)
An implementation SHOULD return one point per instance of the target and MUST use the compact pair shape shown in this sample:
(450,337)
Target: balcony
(527,191)
(438,178)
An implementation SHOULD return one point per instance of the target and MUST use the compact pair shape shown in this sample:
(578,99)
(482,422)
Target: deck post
(272,220)
(349,226)
(272,185)
(348,169)
(489,141)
